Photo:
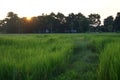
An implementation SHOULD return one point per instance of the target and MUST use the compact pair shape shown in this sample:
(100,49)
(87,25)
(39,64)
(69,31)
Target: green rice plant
(49,56)
(33,57)
(97,43)
(109,68)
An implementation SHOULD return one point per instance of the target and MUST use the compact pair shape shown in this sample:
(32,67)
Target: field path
(83,62)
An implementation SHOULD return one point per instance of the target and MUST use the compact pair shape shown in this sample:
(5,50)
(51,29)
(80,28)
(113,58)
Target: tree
(60,20)
(11,22)
(3,25)
(61,17)
(82,23)
(117,23)
(94,21)
(50,22)
(77,22)
(108,24)
(70,22)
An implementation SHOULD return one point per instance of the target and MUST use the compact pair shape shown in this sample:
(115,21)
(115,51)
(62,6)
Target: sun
(29,18)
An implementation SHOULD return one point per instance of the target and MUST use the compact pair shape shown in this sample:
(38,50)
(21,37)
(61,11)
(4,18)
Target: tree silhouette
(117,23)
(58,23)
(108,24)
(94,21)
(11,22)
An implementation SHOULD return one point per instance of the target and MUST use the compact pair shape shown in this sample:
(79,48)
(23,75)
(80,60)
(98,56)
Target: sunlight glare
(29,18)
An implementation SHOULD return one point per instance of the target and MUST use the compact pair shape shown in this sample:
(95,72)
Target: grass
(109,62)
(33,57)
(59,56)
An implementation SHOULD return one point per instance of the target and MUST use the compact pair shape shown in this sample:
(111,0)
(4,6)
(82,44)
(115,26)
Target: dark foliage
(59,23)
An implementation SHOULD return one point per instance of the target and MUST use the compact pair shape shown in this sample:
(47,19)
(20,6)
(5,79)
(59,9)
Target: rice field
(32,57)
(109,68)
(59,56)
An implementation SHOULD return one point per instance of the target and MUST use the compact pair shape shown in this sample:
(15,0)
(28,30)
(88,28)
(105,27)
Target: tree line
(59,23)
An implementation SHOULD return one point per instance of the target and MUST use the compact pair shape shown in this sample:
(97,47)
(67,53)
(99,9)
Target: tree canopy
(59,23)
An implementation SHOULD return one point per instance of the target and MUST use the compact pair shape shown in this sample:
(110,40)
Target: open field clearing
(60,56)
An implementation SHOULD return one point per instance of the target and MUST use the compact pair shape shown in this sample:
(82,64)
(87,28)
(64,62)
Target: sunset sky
(31,8)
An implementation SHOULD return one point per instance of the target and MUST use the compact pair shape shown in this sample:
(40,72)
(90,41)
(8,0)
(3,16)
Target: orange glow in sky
(29,18)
